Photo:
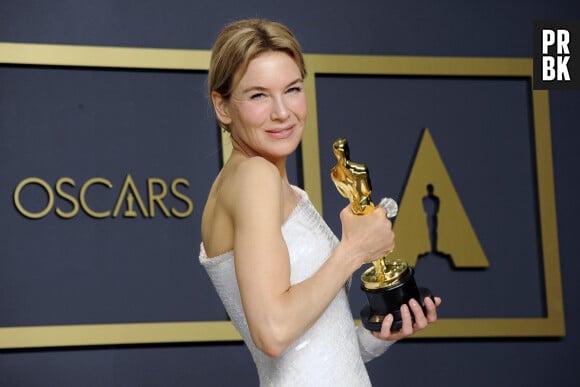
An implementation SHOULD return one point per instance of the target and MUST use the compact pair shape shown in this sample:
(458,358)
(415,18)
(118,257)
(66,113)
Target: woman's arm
(277,312)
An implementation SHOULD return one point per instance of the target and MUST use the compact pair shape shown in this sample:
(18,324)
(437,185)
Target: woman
(279,270)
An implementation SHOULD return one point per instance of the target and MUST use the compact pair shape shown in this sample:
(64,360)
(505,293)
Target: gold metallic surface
(391,272)
(351,179)
(552,325)
(353,182)
(114,334)
(102,56)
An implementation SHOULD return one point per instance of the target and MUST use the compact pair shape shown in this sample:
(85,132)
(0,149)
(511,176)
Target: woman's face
(266,112)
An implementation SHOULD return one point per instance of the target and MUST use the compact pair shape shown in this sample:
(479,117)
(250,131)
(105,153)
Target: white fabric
(332,351)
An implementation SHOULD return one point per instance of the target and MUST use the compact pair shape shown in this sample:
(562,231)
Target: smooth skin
(252,197)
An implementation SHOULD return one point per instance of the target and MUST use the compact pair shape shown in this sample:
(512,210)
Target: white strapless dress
(333,351)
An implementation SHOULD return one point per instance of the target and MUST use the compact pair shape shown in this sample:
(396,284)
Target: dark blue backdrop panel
(483,131)
(422,27)
(84,123)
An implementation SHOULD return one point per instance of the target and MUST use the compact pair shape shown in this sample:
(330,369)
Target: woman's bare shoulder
(242,188)
(249,175)
(257,167)
(254,185)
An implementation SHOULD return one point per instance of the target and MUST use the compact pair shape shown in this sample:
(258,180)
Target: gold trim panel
(97,56)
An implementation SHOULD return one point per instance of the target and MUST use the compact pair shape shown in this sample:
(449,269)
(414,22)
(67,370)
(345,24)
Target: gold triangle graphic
(455,236)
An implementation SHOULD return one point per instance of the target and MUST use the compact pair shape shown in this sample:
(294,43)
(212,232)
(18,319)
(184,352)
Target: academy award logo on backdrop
(36,198)
(435,227)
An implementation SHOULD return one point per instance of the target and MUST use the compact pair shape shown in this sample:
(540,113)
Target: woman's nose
(279,109)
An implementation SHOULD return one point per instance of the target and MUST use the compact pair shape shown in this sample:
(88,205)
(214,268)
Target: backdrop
(104,172)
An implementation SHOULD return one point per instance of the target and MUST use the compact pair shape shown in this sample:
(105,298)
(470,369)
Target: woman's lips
(281,133)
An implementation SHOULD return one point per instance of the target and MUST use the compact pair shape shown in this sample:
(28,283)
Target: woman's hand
(366,237)
(409,327)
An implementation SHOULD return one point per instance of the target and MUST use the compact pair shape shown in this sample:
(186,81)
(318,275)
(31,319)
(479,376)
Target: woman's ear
(220,105)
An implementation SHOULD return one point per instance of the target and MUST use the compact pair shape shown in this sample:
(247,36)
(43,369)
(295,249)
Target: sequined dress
(333,351)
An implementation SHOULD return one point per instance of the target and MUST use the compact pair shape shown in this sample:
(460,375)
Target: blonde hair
(242,41)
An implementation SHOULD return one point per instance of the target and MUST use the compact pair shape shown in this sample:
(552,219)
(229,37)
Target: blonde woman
(279,270)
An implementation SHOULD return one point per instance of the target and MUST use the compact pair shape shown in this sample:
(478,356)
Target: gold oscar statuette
(388,283)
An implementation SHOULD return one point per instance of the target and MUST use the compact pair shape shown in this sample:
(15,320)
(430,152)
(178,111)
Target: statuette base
(383,301)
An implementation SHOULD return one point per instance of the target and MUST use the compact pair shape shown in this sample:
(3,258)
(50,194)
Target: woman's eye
(257,96)
(295,89)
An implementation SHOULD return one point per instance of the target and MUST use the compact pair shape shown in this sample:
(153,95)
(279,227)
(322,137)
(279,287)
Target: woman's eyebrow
(262,88)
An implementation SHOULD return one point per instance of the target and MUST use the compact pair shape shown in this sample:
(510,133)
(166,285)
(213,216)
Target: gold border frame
(198,60)
(553,325)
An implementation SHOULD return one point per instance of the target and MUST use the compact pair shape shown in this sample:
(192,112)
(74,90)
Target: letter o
(20,207)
